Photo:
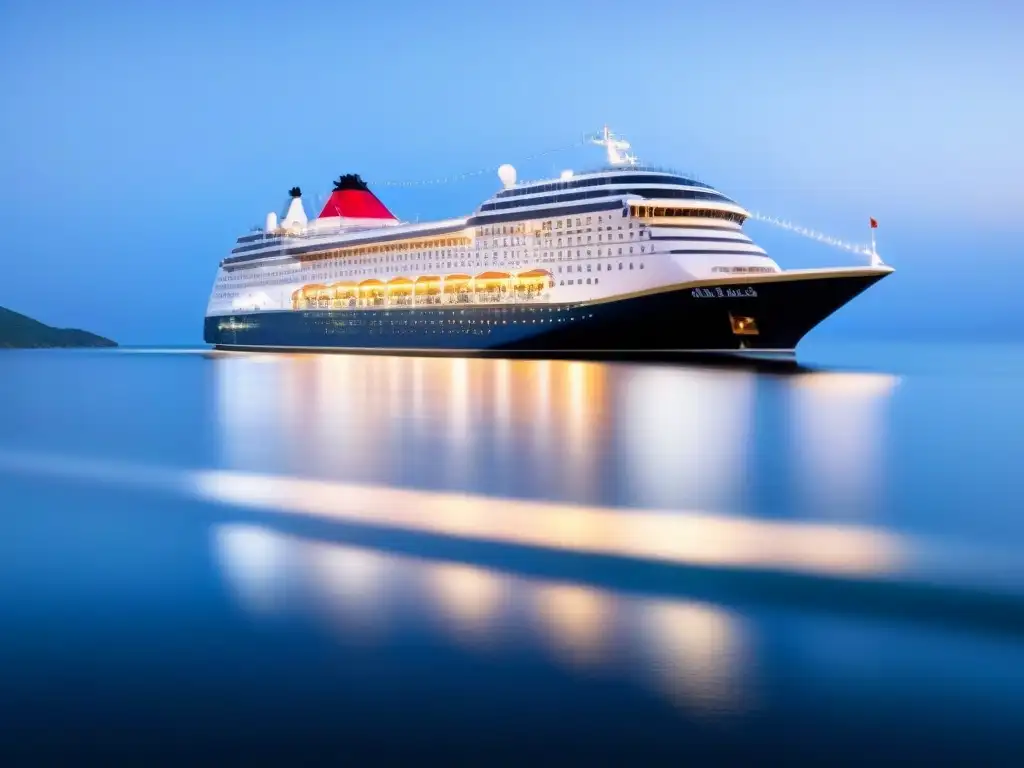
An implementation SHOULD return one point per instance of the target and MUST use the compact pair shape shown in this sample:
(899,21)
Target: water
(327,557)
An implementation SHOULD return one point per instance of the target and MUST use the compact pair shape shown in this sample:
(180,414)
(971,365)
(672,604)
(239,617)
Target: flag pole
(875,260)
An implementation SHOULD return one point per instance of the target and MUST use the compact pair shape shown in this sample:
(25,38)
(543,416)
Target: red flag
(874,224)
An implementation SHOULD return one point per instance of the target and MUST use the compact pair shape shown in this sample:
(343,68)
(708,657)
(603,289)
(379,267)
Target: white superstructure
(581,237)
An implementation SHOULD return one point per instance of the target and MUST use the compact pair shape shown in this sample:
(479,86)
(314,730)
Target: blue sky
(142,137)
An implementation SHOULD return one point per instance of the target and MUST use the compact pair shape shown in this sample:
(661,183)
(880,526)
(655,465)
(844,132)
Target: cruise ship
(626,259)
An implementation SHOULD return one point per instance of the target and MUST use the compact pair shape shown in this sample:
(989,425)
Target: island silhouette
(21,331)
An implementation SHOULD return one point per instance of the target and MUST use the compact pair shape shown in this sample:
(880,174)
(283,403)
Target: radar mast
(616,147)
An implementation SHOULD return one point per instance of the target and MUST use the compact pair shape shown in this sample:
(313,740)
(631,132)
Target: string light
(820,237)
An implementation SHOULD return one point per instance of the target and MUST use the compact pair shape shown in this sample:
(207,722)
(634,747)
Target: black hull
(698,319)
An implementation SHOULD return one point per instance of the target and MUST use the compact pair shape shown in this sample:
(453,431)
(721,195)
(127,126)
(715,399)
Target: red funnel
(352,199)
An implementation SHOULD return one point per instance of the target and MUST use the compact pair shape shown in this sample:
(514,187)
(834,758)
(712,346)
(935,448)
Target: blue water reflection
(654,436)
(696,655)
(691,559)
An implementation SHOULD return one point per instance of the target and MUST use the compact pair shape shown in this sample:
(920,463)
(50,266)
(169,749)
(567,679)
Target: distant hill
(24,332)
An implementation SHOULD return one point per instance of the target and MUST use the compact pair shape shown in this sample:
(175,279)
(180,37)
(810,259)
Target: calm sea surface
(320,558)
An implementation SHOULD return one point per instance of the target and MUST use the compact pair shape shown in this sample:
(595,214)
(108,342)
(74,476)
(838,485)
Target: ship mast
(614,145)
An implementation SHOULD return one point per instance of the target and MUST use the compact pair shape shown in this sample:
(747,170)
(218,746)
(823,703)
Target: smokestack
(296,215)
(352,199)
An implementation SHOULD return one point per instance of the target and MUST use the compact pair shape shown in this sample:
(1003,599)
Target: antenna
(613,144)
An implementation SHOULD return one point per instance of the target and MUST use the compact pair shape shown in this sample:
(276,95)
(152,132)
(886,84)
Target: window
(743,326)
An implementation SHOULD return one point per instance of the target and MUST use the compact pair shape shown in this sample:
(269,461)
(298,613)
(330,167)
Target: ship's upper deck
(603,175)
(354,216)
(602,189)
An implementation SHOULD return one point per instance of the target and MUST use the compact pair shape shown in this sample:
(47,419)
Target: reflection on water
(680,537)
(258,565)
(640,461)
(418,550)
(696,655)
(700,654)
(838,424)
(640,435)
(576,619)
(686,435)
(469,599)
(354,582)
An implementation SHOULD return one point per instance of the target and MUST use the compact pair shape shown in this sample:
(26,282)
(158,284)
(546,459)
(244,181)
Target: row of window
(409,250)
(561,270)
(552,224)
(651,211)
(541,235)
(545,226)
(548,257)
(744,270)
(681,194)
(518,228)
(397,246)
(633,178)
(405,259)
(514,257)
(590,238)
(404,252)
(606,267)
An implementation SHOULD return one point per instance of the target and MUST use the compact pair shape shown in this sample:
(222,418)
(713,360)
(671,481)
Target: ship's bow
(751,316)
(776,312)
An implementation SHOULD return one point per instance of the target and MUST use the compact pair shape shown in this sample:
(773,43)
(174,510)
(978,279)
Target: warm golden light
(743,326)
(698,654)
(575,620)
(469,597)
(679,537)
(351,585)
(681,440)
